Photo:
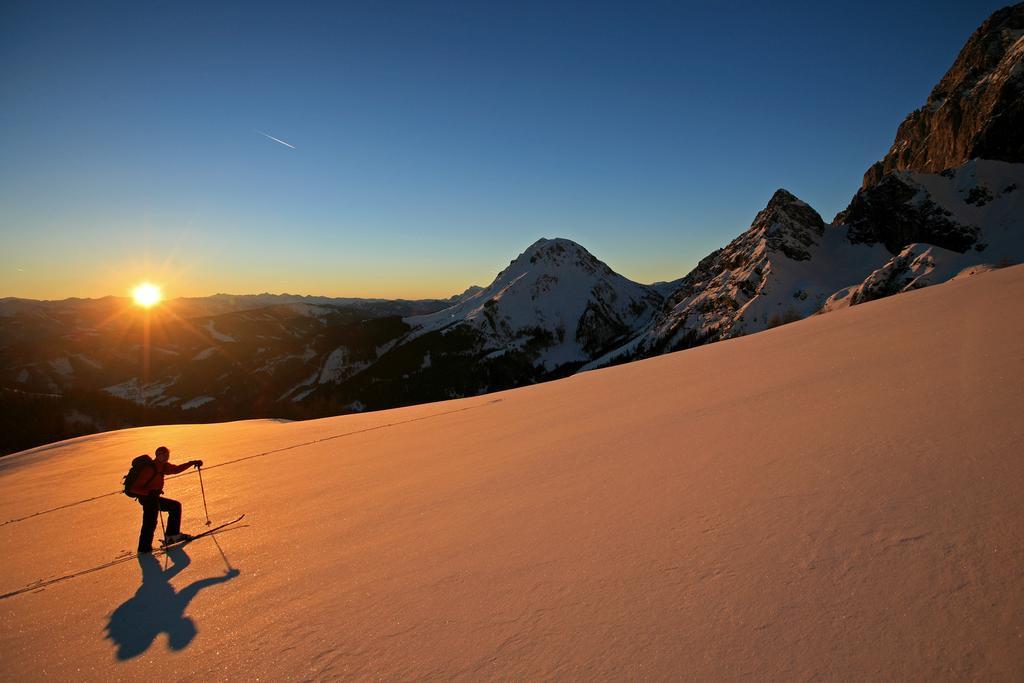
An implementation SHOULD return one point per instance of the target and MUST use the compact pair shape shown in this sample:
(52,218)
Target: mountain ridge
(557,309)
(918,218)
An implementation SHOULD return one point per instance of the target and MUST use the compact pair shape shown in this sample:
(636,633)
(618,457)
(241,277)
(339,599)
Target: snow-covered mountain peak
(788,225)
(559,253)
(770,274)
(555,296)
(784,197)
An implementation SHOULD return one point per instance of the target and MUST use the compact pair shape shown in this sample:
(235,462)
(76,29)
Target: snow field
(835,498)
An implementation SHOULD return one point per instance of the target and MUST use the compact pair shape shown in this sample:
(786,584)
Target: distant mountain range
(948,199)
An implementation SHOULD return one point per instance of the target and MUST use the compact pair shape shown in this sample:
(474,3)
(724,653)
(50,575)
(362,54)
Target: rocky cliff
(975,110)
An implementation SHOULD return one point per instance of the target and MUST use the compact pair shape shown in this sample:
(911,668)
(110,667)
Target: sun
(147,295)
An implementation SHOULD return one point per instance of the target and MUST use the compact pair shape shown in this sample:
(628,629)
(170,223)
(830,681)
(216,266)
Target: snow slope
(836,498)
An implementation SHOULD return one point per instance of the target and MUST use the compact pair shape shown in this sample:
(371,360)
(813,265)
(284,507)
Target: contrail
(275,139)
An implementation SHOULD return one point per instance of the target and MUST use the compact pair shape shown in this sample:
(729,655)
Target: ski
(120,559)
(171,546)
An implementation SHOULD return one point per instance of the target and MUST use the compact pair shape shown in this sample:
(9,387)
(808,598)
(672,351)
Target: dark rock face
(896,212)
(976,110)
(789,225)
(599,328)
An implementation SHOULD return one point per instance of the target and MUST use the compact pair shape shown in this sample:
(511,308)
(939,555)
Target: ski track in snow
(242,459)
(121,559)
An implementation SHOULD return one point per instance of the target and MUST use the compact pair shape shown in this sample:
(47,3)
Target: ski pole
(203,489)
(163,530)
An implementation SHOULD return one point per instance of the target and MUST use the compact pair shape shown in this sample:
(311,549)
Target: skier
(147,489)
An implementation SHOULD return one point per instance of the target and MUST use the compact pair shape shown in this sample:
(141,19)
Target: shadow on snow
(156,608)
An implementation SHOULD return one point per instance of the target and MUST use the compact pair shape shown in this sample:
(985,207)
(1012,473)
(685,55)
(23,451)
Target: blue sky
(434,141)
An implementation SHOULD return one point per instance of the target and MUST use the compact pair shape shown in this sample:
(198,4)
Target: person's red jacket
(152,478)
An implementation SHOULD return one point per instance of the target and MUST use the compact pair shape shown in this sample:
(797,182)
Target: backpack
(138,464)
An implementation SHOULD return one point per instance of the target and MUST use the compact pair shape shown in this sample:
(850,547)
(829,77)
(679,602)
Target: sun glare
(147,295)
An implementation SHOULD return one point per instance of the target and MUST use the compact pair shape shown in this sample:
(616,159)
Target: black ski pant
(151,506)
